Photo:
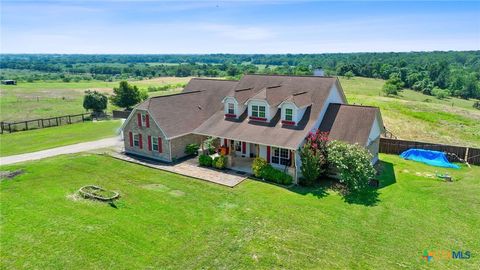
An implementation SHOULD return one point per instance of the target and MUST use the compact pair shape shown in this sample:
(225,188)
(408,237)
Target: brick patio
(189,167)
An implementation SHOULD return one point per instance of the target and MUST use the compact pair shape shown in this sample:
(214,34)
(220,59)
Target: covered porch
(240,155)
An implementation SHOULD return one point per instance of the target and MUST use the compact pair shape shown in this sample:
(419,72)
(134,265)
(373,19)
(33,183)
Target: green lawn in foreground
(40,139)
(164,220)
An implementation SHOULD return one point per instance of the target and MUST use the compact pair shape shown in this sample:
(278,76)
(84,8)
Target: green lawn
(164,220)
(40,139)
(415,116)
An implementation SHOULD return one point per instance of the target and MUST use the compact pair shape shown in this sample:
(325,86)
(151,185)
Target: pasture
(164,220)
(27,101)
(414,116)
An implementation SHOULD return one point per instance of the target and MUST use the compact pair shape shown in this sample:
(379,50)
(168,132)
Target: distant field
(48,99)
(415,116)
(40,139)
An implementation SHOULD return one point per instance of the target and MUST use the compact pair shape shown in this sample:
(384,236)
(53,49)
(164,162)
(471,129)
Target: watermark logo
(435,255)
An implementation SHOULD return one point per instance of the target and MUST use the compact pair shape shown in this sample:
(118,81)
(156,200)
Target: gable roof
(349,123)
(276,89)
(181,113)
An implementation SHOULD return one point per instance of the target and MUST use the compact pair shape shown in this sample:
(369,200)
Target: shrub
(220,162)
(192,149)
(353,162)
(273,175)
(258,165)
(476,105)
(205,160)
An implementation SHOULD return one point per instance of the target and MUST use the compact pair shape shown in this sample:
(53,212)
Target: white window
(154,143)
(136,140)
(281,156)
(258,111)
(288,114)
(231,108)
(238,146)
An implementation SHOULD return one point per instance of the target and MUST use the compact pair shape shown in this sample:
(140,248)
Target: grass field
(48,99)
(165,220)
(415,116)
(40,139)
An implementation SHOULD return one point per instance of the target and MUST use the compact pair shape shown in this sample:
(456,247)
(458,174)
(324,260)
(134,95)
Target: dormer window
(231,108)
(288,114)
(258,111)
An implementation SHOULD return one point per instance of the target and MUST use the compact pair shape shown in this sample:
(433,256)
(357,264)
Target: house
(260,115)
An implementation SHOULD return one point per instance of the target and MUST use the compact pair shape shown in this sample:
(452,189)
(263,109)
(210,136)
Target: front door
(253,150)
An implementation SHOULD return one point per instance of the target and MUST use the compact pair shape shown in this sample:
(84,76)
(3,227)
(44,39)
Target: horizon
(244,27)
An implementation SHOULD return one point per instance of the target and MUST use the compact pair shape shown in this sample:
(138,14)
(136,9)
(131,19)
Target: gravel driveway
(69,149)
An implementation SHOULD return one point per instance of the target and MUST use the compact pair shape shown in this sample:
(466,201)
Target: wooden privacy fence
(43,122)
(121,114)
(395,146)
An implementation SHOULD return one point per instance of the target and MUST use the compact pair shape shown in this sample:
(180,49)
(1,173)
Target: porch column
(292,158)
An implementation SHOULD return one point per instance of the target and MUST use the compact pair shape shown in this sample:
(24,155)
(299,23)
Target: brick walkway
(189,168)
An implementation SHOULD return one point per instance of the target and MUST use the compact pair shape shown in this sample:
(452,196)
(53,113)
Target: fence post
(56,119)
(9,128)
(26,125)
(83,118)
(466,155)
(69,119)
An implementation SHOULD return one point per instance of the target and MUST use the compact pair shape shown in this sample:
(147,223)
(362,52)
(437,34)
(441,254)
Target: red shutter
(149,141)
(131,138)
(147,120)
(159,145)
(244,147)
(225,142)
(139,119)
(140,141)
(268,154)
(291,157)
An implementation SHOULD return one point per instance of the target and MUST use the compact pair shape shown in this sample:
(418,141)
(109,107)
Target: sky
(175,27)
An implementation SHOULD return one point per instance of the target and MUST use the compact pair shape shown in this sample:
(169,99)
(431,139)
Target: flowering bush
(353,162)
(313,155)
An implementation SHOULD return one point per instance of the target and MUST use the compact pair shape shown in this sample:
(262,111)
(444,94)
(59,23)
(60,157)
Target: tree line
(452,73)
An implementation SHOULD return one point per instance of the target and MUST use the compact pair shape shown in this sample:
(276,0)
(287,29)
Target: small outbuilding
(9,82)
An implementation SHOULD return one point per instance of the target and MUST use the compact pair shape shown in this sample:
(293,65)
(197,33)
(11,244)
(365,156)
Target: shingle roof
(277,89)
(199,109)
(181,113)
(349,123)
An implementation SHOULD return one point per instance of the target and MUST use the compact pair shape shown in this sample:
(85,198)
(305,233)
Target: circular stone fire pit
(98,193)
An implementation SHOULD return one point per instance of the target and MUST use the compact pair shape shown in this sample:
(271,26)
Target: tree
(126,95)
(95,101)
(349,75)
(390,89)
(440,93)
